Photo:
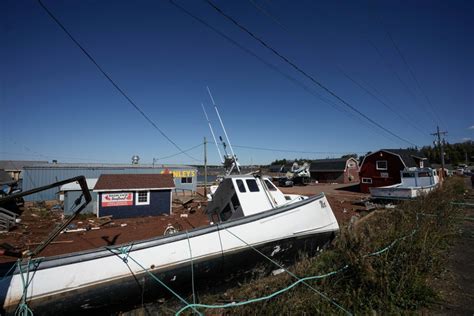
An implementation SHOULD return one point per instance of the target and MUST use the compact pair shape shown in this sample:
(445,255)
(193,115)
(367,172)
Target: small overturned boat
(248,213)
(414,183)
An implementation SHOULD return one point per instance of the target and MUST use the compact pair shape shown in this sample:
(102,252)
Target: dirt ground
(38,220)
(456,285)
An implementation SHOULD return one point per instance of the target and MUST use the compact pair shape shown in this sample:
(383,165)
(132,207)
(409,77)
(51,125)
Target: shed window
(381,164)
(143,198)
(187,180)
(367,180)
(252,185)
(241,185)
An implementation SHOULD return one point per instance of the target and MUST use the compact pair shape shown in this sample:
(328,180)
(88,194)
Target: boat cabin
(416,177)
(244,195)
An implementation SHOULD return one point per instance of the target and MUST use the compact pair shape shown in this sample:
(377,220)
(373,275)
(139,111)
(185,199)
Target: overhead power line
(304,73)
(299,151)
(412,73)
(339,68)
(274,68)
(116,86)
(179,153)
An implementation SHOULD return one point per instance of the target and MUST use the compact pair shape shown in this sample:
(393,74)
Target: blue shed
(134,195)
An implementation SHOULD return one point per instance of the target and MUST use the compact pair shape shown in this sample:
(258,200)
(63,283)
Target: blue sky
(56,105)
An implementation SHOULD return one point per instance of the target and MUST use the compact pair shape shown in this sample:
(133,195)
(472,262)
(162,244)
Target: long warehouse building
(185,177)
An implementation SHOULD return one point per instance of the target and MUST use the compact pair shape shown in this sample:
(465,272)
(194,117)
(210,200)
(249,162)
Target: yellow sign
(180,173)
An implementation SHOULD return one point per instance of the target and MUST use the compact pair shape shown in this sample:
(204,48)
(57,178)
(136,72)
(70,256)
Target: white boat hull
(77,281)
(398,192)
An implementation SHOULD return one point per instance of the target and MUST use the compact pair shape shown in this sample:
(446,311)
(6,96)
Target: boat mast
(212,132)
(234,158)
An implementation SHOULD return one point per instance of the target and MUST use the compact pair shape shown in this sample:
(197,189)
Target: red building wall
(380,177)
(352,172)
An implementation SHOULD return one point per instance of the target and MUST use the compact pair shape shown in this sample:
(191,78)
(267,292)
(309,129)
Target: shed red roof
(134,181)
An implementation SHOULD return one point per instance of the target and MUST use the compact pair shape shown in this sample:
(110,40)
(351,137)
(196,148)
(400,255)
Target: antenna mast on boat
(230,162)
(212,132)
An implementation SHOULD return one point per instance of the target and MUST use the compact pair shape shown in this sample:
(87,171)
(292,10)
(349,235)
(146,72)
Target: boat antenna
(234,158)
(212,132)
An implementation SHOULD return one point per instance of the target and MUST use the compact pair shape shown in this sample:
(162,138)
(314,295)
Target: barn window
(143,198)
(381,164)
(367,180)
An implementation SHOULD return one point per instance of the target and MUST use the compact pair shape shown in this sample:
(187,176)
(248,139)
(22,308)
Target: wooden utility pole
(205,166)
(440,143)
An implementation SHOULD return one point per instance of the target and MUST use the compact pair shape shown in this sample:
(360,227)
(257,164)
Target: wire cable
(339,68)
(116,86)
(179,153)
(304,73)
(295,81)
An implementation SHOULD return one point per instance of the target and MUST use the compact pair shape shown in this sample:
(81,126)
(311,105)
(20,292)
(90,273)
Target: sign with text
(117,199)
(180,173)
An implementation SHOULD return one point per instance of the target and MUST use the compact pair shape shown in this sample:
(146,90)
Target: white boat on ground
(415,182)
(248,212)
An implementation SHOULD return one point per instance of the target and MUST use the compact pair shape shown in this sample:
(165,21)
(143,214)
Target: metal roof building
(185,177)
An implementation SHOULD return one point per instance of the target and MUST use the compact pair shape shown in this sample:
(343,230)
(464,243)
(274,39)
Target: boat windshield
(270,185)
(408,175)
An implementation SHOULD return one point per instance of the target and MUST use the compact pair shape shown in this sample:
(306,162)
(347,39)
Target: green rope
(124,250)
(192,270)
(393,243)
(292,274)
(263,298)
(23,309)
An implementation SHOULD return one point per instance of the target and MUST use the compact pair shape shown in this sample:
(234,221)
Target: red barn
(341,170)
(383,167)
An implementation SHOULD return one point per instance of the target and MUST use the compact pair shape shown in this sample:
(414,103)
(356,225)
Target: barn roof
(338,164)
(119,182)
(408,156)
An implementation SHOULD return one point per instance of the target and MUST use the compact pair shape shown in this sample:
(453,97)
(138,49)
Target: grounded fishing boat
(248,212)
(415,182)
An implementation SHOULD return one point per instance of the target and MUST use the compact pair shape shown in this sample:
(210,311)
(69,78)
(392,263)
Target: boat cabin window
(408,175)
(241,186)
(423,174)
(235,201)
(270,185)
(226,213)
(381,164)
(252,185)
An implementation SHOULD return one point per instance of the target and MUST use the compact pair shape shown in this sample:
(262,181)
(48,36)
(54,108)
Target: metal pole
(441,149)
(205,166)
(223,128)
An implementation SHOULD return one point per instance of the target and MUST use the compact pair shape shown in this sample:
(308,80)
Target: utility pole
(440,143)
(205,166)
